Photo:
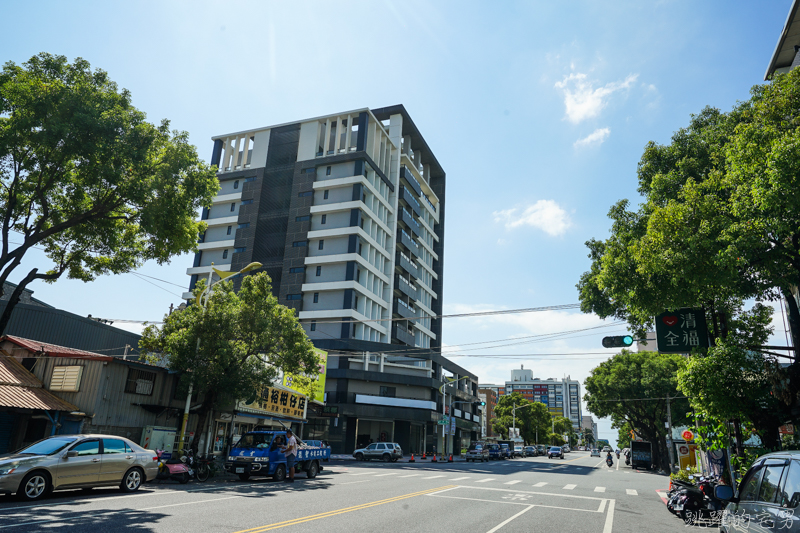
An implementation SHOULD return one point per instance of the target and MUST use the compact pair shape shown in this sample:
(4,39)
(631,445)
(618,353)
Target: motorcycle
(169,468)
(609,461)
(693,502)
(628,458)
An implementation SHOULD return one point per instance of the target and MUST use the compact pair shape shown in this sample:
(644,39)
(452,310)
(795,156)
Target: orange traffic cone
(424,457)
(450,459)
(434,459)
(412,459)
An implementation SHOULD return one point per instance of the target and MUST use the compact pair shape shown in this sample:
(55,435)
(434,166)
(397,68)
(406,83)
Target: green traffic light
(627,340)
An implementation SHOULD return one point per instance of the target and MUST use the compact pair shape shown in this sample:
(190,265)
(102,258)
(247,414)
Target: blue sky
(538,112)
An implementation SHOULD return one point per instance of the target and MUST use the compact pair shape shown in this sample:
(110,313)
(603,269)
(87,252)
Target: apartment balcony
(407,264)
(406,218)
(405,287)
(406,240)
(401,334)
(403,309)
(406,173)
(408,197)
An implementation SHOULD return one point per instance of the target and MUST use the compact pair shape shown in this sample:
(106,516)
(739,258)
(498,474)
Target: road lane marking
(363,474)
(617,463)
(602,506)
(569,487)
(485,480)
(459,478)
(632,492)
(310,518)
(432,477)
(389,474)
(599,489)
(187,503)
(609,517)
(501,524)
(351,482)
(598,464)
(541,484)
(412,475)
(514,482)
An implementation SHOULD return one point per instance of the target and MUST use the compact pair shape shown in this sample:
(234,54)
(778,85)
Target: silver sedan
(76,461)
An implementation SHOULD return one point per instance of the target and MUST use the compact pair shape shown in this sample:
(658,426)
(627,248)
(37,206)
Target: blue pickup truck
(258,454)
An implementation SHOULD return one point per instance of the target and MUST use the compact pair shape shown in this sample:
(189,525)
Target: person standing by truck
(290,450)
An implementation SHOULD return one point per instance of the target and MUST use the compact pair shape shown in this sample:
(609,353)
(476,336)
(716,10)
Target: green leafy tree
(633,386)
(86,178)
(245,339)
(533,418)
(588,437)
(623,432)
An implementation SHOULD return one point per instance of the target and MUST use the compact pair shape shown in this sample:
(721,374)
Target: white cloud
(582,100)
(597,137)
(545,215)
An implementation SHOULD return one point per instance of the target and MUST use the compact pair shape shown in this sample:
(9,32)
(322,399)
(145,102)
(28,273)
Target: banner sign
(682,330)
(319,389)
(276,402)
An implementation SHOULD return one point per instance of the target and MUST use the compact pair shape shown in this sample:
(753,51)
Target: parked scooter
(694,502)
(172,468)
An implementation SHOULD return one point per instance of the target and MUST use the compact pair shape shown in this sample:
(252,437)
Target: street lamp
(204,302)
(444,403)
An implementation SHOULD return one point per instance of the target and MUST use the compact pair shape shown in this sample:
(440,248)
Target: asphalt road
(578,493)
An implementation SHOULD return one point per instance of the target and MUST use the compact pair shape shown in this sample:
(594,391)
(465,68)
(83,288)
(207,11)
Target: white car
(595,453)
(606,449)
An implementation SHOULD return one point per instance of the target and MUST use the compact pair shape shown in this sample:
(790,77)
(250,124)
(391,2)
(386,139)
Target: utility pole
(669,437)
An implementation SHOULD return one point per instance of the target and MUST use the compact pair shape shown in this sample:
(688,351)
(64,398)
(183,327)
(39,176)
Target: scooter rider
(609,460)
(617,454)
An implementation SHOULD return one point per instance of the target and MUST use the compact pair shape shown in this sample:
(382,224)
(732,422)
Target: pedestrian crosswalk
(518,484)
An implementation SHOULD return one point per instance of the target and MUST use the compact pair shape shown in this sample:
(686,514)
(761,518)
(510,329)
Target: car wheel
(387,458)
(359,457)
(34,486)
(312,470)
(244,477)
(132,480)
(280,473)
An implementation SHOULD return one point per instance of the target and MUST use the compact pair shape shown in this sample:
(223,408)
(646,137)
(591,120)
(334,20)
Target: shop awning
(21,389)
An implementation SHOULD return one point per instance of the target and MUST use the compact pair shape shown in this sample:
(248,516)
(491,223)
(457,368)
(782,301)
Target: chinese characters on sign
(276,402)
(681,331)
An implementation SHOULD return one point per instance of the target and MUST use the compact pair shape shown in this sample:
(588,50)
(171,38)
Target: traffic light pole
(669,437)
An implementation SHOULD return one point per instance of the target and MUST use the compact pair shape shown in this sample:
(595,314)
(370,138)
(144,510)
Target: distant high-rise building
(561,396)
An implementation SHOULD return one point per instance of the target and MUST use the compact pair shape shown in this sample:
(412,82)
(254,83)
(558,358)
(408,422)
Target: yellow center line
(340,511)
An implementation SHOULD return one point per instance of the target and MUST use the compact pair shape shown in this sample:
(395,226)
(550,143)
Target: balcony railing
(403,285)
(405,216)
(405,172)
(401,334)
(412,202)
(403,309)
(408,242)
(407,264)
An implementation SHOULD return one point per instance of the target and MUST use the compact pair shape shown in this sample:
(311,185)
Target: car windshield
(555,449)
(254,440)
(47,446)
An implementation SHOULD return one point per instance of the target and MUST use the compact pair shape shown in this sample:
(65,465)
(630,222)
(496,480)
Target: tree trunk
(202,421)
(13,300)
(794,322)
(737,431)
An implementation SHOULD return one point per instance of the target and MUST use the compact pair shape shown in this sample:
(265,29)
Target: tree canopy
(246,339)
(533,418)
(633,387)
(86,178)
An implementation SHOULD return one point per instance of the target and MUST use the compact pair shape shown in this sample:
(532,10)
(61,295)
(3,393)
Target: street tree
(246,339)
(588,436)
(634,386)
(87,179)
(533,418)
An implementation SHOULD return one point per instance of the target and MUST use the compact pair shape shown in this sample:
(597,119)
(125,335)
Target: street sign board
(681,330)
(445,420)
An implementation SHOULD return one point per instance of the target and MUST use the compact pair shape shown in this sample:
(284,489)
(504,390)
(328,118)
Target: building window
(239,250)
(309,170)
(316,297)
(229,230)
(233,207)
(297,270)
(324,218)
(321,244)
(294,296)
(313,326)
(325,195)
(243,226)
(319,271)
(302,219)
(328,173)
(66,378)
(236,184)
(246,180)
(299,244)
(306,193)
(140,382)
(224,254)
(247,202)
(389,392)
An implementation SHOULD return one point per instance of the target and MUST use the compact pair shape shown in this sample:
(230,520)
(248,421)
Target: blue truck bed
(258,454)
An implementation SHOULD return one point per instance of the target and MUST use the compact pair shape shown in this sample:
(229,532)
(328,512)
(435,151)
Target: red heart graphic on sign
(670,320)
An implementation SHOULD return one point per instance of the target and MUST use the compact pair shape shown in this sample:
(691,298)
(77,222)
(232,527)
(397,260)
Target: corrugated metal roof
(54,350)
(19,388)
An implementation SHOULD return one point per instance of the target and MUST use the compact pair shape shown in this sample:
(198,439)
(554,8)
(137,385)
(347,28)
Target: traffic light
(619,341)
(479,404)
